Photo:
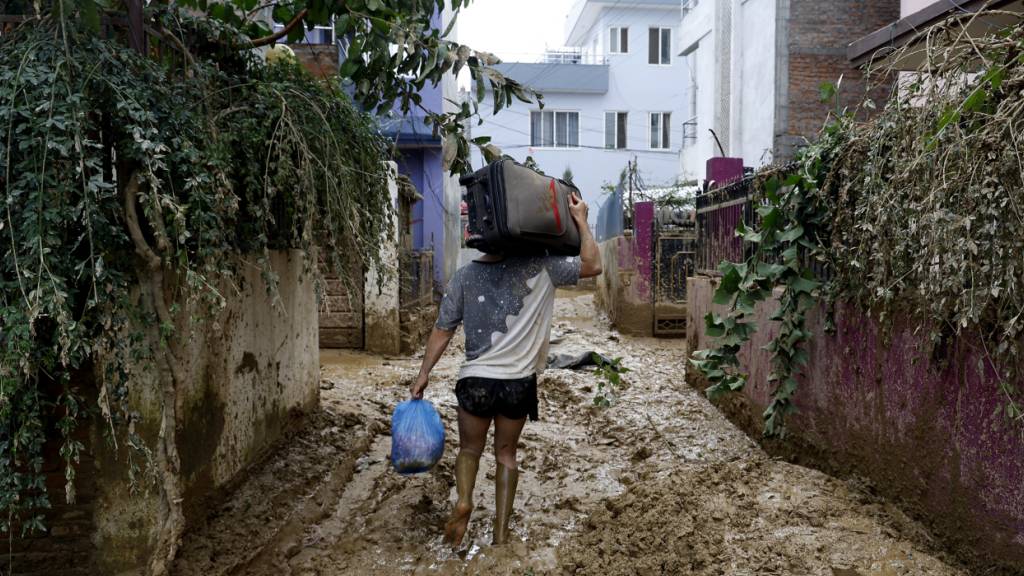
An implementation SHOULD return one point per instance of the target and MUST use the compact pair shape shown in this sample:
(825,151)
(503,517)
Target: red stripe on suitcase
(554,205)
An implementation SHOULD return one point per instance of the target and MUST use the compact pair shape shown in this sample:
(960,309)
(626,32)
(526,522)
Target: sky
(514,29)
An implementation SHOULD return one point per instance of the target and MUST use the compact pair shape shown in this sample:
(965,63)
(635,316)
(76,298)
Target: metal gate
(674,258)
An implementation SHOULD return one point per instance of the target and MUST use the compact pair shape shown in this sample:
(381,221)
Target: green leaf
(801,284)
(826,92)
(792,233)
(727,287)
(90,15)
(976,100)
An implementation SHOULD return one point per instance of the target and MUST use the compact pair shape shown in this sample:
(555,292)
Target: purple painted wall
(434,209)
(722,170)
(643,232)
(624,287)
(927,429)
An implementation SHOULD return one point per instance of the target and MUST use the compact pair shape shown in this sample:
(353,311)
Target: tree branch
(280,33)
(171,524)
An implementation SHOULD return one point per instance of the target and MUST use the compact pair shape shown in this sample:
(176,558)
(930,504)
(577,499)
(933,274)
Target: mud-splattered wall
(624,286)
(250,371)
(924,424)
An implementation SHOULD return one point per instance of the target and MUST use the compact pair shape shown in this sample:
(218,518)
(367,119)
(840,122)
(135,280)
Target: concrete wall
(635,87)
(248,371)
(624,286)
(926,428)
(696,49)
(754,83)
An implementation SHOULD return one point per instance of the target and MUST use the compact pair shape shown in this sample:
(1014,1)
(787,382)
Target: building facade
(755,68)
(435,223)
(614,95)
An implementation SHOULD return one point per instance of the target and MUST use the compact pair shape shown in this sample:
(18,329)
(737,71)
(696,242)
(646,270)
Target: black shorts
(490,397)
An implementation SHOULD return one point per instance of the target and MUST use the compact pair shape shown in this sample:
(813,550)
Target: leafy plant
(129,187)
(913,213)
(392,50)
(609,374)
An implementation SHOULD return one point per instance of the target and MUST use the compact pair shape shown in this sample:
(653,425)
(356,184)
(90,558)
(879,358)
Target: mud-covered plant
(916,214)
(129,190)
(609,379)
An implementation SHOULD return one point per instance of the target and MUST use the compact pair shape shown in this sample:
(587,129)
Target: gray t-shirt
(506,308)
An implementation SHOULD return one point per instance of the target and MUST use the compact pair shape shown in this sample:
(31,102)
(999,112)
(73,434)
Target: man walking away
(504,304)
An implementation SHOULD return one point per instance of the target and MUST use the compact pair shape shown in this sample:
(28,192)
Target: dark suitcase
(516,210)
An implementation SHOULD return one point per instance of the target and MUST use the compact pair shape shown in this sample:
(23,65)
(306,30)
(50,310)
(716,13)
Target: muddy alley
(657,483)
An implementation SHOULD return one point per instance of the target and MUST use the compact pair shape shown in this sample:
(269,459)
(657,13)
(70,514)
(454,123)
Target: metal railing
(719,212)
(571,56)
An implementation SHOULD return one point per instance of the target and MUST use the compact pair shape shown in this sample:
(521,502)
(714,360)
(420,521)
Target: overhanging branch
(280,33)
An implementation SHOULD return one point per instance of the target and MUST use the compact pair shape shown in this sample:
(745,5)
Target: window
(618,43)
(553,129)
(661,125)
(659,47)
(615,129)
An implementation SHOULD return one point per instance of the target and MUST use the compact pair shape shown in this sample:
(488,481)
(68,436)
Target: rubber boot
(466,465)
(505,481)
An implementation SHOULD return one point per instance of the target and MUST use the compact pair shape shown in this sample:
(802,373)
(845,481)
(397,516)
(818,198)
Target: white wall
(755,82)
(634,86)
(733,42)
(908,7)
(697,37)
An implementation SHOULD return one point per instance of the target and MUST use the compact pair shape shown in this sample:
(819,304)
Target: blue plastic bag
(417,437)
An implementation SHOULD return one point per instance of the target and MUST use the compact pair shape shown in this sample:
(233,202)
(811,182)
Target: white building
(617,93)
(742,119)
(755,68)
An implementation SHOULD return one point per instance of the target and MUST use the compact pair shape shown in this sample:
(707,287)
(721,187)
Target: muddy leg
(506,438)
(472,437)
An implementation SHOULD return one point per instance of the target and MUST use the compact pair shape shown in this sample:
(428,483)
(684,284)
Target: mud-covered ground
(658,483)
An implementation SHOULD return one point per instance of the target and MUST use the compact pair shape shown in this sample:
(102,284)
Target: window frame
(615,126)
(622,39)
(664,131)
(661,46)
(554,129)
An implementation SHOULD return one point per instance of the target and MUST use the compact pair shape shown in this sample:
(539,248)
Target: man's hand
(590,255)
(417,387)
(579,210)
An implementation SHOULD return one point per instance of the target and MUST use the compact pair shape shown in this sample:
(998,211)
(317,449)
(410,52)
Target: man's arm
(436,345)
(590,256)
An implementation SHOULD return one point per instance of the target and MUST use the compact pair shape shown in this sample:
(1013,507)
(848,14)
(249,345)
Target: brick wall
(818,34)
(65,547)
(320,59)
(341,315)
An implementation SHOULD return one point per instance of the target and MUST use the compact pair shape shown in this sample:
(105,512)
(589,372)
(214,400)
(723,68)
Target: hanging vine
(917,213)
(119,172)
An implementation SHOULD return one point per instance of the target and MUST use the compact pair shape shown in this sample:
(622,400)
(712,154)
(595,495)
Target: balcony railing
(572,56)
